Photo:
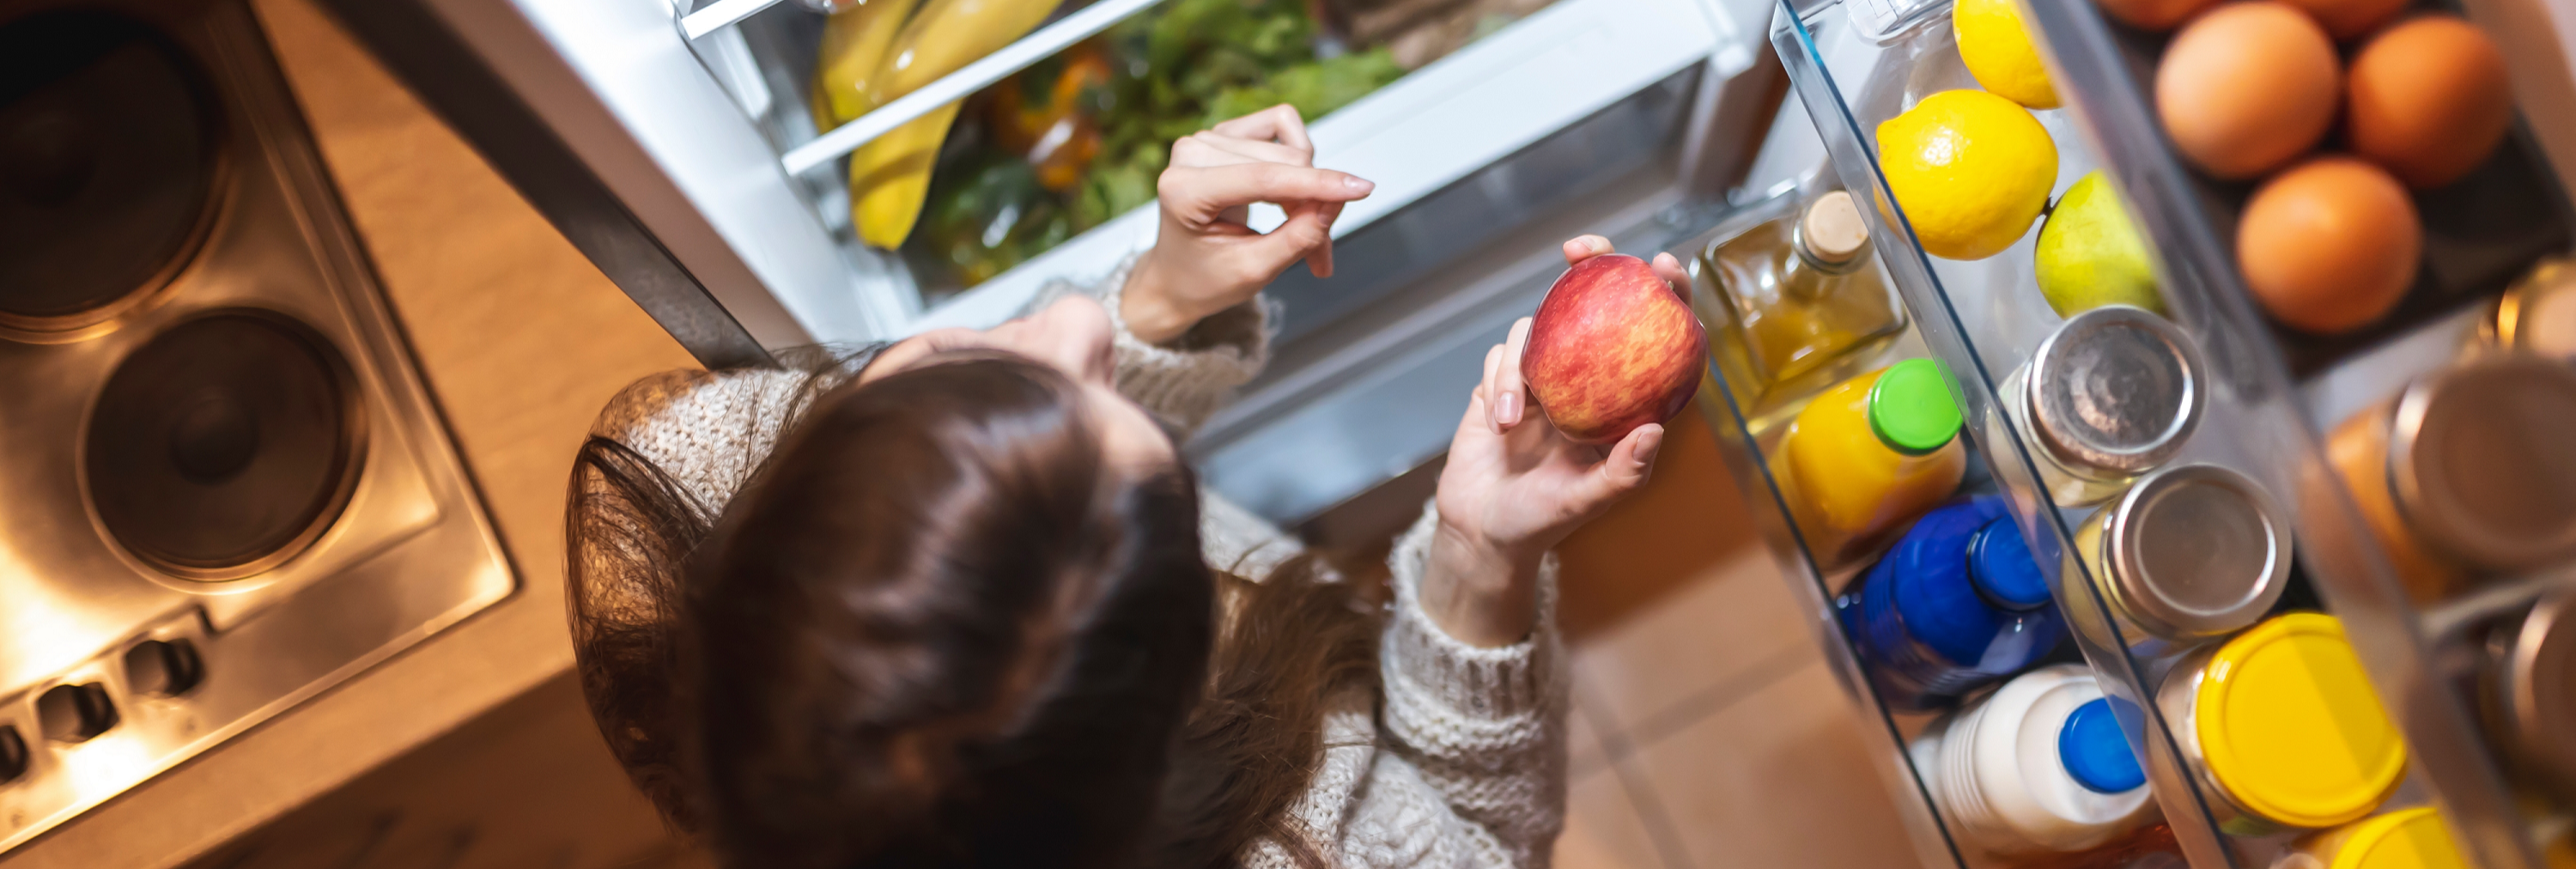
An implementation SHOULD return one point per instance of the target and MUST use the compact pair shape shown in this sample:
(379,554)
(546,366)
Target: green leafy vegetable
(1177,69)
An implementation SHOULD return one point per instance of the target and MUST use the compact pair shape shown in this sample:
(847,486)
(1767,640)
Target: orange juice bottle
(1869,455)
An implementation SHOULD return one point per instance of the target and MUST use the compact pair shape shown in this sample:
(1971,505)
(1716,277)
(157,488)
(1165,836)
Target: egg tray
(2480,232)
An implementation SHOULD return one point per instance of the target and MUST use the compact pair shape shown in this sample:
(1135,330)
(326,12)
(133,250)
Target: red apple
(1612,348)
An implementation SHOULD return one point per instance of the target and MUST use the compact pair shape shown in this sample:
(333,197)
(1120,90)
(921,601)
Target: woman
(949,603)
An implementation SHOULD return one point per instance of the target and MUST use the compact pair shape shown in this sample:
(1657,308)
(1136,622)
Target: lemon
(1997,50)
(1970,169)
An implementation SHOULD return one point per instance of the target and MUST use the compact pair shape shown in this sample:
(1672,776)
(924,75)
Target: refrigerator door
(628,136)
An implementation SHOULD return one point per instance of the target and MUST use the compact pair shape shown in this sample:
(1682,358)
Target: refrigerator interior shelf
(1429,128)
(957,85)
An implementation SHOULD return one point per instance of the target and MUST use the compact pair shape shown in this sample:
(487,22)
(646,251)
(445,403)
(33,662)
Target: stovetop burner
(107,164)
(224,484)
(223,445)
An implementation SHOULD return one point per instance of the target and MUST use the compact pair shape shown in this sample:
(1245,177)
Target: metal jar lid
(2290,728)
(2195,551)
(2116,388)
(2537,684)
(2479,459)
(2538,314)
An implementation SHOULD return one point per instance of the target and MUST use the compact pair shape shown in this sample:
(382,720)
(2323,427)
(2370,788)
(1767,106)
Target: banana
(889,177)
(854,48)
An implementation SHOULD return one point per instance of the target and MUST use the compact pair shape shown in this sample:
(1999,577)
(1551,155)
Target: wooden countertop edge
(427,691)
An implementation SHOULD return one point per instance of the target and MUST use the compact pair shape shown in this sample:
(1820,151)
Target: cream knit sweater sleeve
(711,429)
(1460,760)
(1189,378)
(1484,727)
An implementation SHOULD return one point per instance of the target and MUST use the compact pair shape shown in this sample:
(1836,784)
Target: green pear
(2090,255)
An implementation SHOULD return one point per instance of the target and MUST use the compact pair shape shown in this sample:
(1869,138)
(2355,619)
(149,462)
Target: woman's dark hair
(939,629)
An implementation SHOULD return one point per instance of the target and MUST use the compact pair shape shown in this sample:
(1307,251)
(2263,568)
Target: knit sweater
(1460,760)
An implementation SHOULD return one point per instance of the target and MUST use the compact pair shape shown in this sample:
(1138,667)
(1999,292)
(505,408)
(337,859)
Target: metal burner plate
(364,562)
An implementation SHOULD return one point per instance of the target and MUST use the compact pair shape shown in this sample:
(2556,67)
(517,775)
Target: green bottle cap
(1910,408)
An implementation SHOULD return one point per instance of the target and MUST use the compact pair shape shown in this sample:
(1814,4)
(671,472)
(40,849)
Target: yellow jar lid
(2404,839)
(2290,727)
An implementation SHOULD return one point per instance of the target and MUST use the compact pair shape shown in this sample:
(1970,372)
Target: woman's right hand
(1205,259)
(1514,487)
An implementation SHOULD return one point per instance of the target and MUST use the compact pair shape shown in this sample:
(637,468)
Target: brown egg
(2330,245)
(2154,14)
(2428,99)
(2246,87)
(2345,19)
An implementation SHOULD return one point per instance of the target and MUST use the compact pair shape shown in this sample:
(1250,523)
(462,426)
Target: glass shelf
(1750,431)
(1857,63)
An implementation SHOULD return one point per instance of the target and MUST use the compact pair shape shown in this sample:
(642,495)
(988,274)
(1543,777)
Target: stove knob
(163,668)
(13,753)
(75,713)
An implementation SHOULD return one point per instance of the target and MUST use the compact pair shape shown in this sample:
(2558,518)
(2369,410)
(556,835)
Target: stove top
(109,161)
(223,485)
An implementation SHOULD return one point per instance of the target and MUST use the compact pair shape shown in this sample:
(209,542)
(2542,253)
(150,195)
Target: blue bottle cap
(1999,563)
(2094,751)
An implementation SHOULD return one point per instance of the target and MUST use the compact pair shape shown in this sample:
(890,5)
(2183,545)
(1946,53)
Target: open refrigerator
(673,145)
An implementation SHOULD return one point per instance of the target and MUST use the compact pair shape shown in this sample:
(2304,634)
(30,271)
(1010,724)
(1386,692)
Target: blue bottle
(1955,605)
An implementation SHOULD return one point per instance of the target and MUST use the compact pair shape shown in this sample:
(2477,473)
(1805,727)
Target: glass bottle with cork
(1803,299)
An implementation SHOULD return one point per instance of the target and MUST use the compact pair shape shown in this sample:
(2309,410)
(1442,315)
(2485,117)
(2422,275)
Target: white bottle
(2039,765)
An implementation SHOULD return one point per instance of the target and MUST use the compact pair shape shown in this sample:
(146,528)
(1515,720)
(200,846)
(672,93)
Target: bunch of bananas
(880,50)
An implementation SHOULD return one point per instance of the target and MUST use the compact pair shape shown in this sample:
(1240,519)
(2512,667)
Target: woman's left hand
(1514,487)
(1205,259)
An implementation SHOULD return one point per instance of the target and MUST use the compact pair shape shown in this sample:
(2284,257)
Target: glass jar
(2404,839)
(1956,605)
(2189,552)
(2528,689)
(2282,728)
(2110,395)
(2040,765)
(2469,469)
(2538,314)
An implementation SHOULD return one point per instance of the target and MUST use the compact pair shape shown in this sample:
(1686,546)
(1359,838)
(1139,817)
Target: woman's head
(961,604)
(952,622)
(630,526)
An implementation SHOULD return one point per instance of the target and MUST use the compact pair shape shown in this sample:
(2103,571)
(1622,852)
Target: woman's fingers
(1251,149)
(1193,152)
(1670,270)
(1478,399)
(1199,194)
(1630,463)
(1305,233)
(1278,123)
(1493,363)
(1320,259)
(1584,247)
(1509,397)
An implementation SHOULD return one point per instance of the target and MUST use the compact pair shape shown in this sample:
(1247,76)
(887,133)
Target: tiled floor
(1708,730)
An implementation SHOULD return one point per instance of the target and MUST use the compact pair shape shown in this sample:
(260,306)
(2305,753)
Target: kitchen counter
(522,341)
